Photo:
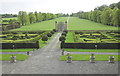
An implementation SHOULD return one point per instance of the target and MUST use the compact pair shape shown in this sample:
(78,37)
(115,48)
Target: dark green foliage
(20,45)
(49,34)
(44,38)
(108,15)
(90,45)
(64,33)
(52,32)
(62,38)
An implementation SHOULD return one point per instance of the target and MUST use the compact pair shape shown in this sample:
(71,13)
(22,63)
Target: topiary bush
(44,38)
(64,33)
(62,38)
(49,34)
(52,32)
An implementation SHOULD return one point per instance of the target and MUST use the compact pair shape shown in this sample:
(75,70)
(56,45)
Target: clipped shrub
(6,32)
(14,38)
(28,37)
(13,32)
(62,38)
(49,34)
(44,38)
(64,33)
(4,28)
(52,32)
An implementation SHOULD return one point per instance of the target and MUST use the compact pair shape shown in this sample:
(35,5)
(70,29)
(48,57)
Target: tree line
(8,15)
(31,17)
(108,15)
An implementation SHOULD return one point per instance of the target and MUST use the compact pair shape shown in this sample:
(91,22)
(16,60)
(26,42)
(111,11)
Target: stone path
(46,61)
(109,53)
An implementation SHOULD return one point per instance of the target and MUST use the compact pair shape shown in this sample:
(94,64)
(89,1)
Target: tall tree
(22,17)
(99,16)
(48,17)
(116,17)
(106,16)
(32,17)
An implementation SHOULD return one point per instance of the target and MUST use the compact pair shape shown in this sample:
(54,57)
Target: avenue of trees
(31,17)
(108,15)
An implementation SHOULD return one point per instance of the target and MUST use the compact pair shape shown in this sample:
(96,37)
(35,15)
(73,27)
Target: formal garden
(80,44)
(23,41)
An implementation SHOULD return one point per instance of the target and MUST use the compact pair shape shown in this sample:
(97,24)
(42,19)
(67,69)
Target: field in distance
(75,23)
(44,25)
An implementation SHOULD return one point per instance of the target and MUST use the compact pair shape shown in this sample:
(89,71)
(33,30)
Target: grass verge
(86,57)
(6,57)
(92,50)
(15,50)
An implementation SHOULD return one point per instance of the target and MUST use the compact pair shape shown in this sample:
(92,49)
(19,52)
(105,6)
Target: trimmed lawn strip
(92,50)
(86,57)
(69,37)
(6,57)
(16,50)
(42,44)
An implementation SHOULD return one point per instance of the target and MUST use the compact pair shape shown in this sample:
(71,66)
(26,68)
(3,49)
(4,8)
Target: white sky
(52,6)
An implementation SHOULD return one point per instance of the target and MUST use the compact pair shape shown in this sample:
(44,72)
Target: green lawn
(15,50)
(44,25)
(69,37)
(9,18)
(5,57)
(75,23)
(80,57)
(92,50)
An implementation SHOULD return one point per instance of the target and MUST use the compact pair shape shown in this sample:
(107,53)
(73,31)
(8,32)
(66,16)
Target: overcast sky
(51,6)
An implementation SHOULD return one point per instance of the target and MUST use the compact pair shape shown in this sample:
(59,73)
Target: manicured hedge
(90,45)
(20,45)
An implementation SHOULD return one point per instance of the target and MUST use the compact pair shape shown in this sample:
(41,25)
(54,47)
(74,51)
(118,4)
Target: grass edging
(6,57)
(86,57)
(92,50)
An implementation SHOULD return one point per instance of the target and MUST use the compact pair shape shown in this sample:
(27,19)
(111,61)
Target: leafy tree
(48,17)
(44,38)
(32,17)
(11,21)
(99,16)
(44,16)
(37,16)
(40,17)
(106,16)
(112,6)
(22,17)
(101,8)
(116,16)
